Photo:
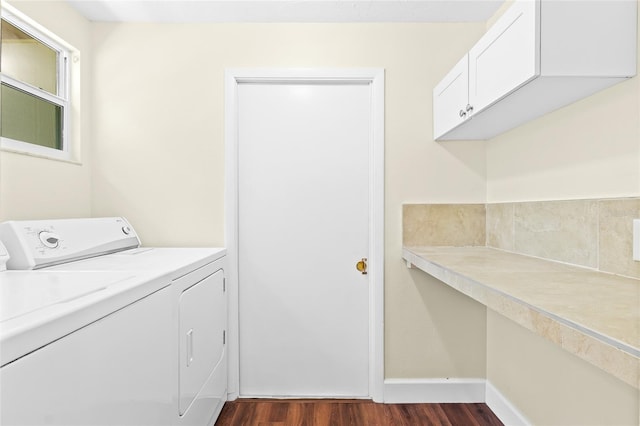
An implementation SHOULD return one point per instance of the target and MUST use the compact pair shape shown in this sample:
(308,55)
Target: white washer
(78,347)
(196,312)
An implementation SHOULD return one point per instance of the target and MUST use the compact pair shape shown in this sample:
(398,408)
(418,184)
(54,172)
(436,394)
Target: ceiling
(287,10)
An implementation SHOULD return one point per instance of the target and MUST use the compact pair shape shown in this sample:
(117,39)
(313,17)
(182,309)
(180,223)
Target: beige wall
(37,188)
(590,149)
(159,153)
(551,386)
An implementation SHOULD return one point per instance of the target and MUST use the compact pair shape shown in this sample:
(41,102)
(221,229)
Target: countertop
(591,314)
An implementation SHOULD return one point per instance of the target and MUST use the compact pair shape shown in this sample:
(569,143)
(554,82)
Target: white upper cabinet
(450,98)
(539,56)
(507,57)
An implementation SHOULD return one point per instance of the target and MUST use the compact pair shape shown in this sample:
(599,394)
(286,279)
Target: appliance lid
(174,262)
(39,307)
(23,293)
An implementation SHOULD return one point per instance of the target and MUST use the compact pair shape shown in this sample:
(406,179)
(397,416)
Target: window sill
(21,148)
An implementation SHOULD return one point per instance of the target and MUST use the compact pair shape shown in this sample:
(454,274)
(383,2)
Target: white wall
(159,160)
(37,188)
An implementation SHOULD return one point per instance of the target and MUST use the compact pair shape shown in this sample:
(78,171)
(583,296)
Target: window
(34,98)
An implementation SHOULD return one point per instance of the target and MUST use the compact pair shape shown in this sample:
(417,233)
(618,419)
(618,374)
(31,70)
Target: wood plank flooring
(274,412)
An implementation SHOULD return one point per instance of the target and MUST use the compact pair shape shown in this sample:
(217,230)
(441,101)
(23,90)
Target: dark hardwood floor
(274,412)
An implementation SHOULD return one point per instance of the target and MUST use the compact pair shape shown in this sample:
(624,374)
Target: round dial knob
(49,239)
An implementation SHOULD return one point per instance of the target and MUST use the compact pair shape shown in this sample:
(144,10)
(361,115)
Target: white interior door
(303,224)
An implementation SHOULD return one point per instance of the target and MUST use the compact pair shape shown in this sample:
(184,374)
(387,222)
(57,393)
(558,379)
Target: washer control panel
(41,243)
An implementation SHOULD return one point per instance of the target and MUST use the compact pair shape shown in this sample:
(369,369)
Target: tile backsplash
(592,233)
(443,224)
(566,231)
(615,236)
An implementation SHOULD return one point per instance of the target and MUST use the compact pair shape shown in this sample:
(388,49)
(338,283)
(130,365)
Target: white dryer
(194,278)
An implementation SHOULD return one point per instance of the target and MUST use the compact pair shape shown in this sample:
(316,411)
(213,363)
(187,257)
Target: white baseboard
(413,391)
(434,390)
(503,408)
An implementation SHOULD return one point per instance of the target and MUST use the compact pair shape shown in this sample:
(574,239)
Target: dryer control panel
(37,244)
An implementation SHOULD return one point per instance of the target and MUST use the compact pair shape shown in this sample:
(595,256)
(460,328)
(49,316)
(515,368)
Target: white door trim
(375,78)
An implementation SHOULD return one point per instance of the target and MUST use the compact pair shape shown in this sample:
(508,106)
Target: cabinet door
(450,98)
(203,319)
(507,56)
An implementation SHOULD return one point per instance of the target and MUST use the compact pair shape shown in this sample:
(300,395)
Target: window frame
(63,86)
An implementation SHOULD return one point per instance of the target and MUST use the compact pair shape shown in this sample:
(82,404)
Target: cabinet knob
(469,108)
(462,113)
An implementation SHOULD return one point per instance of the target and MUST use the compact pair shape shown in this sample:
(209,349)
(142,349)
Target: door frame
(374,77)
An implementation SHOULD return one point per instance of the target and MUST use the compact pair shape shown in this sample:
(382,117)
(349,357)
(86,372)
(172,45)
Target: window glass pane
(28,118)
(28,59)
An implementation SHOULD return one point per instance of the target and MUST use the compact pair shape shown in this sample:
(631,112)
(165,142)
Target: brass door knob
(361,266)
